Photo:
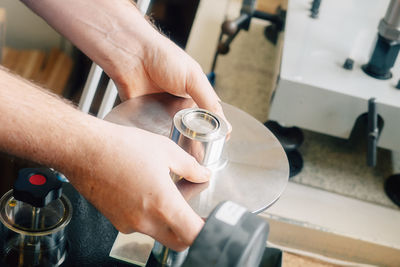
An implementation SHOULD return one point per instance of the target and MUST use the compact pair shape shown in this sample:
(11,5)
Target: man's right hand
(130,184)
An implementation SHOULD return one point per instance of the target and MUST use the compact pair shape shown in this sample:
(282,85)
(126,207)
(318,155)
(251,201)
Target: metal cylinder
(168,257)
(392,16)
(389,26)
(200,133)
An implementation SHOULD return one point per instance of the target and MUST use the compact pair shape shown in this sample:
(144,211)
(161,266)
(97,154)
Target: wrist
(137,43)
(86,141)
(114,34)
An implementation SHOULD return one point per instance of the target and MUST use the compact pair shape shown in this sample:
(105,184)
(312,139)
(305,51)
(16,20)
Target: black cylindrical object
(315,8)
(232,236)
(382,59)
(387,45)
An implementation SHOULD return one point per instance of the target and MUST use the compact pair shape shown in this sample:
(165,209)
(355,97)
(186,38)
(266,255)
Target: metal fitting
(389,26)
(200,133)
(391,32)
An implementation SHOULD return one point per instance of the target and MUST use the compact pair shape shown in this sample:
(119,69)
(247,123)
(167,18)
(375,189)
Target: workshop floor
(246,77)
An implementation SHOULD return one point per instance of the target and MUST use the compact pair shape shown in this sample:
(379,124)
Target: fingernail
(220,112)
(227,123)
(229,127)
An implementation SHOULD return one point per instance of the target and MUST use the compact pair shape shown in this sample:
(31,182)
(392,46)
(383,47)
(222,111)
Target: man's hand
(123,171)
(164,67)
(130,184)
(136,56)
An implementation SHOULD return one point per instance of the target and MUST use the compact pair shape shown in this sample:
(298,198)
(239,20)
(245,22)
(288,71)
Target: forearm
(41,127)
(111,33)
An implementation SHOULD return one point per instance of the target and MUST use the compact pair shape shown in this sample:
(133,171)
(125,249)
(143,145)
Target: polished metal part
(167,256)
(254,169)
(200,133)
(389,26)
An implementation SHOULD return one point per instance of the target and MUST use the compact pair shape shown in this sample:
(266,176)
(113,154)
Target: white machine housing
(314,91)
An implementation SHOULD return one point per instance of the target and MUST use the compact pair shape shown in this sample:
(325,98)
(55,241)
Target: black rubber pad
(295,162)
(290,138)
(392,188)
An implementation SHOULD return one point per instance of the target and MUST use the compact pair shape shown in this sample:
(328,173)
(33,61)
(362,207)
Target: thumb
(185,165)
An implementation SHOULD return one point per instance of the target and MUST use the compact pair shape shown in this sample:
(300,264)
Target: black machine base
(296,162)
(291,139)
(392,188)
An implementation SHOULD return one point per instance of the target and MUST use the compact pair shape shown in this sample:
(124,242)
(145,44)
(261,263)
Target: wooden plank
(22,60)
(33,64)
(60,73)
(293,260)
(10,58)
(325,223)
(51,72)
(303,240)
(51,60)
(26,63)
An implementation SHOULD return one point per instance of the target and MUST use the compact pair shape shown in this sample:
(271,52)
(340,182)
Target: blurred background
(245,75)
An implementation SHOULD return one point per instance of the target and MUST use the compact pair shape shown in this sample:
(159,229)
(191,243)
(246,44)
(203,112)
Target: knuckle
(140,225)
(160,206)
(216,107)
(196,67)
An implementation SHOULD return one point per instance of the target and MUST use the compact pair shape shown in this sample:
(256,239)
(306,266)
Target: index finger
(200,89)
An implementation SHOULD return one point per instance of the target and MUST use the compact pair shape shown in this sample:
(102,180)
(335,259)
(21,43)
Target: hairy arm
(109,32)
(34,123)
(111,165)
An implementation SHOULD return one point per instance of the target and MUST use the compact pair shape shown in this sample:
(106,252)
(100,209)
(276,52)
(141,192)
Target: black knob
(348,64)
(229,27)
(315,8)
(37,186)
(223,48)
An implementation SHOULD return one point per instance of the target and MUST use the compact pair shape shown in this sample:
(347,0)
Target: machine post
(387,45)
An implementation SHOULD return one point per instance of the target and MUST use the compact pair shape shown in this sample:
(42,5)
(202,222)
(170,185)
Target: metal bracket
(247,9)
